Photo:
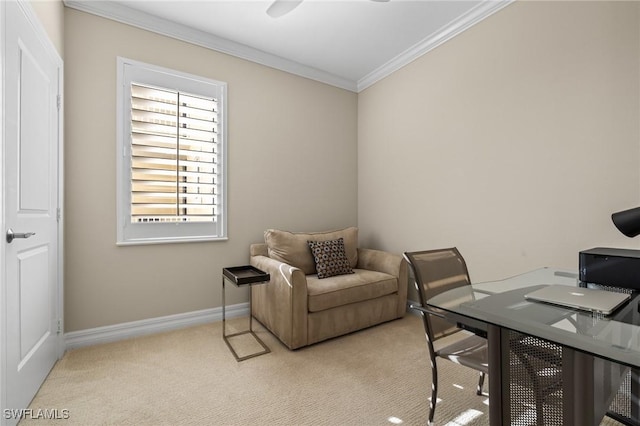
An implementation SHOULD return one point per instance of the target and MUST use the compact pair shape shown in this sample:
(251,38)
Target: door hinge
(58,214)
(59,326)
(59,101)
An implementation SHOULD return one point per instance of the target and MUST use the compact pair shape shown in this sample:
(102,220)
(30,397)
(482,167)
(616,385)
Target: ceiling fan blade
(281,7)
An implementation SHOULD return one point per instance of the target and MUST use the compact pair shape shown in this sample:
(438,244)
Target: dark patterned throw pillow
(330,258)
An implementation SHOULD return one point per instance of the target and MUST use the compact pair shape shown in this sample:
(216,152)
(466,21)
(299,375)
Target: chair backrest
(436,271)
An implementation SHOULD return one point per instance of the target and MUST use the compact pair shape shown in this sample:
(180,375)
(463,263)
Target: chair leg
(539,411)
(434,391)
(480,384)
(539,393)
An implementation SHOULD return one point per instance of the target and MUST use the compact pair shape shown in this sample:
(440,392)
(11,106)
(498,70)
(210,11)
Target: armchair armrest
(281,304)
(389,263)
(378,260)
(258,249)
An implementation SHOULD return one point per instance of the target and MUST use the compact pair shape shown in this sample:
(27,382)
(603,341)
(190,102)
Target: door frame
(53,53)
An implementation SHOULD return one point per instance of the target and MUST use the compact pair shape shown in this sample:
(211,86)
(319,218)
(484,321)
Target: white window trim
(157,233)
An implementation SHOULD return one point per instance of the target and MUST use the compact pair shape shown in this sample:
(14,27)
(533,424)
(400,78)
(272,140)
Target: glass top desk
(592,359)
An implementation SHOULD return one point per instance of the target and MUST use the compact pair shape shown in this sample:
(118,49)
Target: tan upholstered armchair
(301,309)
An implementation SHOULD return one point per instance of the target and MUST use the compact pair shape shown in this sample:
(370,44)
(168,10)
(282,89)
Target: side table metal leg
(224,334)
(225,337)
(250,310)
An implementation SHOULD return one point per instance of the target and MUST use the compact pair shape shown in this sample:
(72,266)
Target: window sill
(149,241)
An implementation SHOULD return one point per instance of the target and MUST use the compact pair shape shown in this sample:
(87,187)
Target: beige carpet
(378,376)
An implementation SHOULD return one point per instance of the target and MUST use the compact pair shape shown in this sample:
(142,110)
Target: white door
(30,174)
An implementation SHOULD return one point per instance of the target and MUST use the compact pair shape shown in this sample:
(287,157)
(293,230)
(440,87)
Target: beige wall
(51,15)
(292,156)
(515,141)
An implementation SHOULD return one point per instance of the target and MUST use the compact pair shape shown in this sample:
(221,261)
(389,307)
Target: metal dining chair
(437,271)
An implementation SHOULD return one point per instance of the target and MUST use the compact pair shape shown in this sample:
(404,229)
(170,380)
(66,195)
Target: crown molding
(444,34)
(126,15)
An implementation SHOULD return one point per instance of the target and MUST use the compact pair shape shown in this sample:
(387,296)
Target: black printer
(611,267)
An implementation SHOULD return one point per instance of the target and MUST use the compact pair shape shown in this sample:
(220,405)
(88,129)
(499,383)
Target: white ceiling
(346,43)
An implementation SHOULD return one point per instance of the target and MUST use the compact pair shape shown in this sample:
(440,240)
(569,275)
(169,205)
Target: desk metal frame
(585,397)
(579,390)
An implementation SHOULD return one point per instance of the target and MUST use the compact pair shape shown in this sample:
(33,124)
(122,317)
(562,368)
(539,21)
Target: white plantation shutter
(172,157)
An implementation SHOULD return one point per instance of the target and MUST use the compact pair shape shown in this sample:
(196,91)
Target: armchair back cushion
(292,248)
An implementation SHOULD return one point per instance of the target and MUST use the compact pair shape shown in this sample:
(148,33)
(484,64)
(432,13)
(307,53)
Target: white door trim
(52,51)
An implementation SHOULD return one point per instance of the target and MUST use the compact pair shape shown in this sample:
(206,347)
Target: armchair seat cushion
(341,290)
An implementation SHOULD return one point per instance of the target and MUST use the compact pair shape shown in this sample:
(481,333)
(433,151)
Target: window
(171,156)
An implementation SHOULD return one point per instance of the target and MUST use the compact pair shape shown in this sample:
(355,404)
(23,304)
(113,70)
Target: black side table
(243,275)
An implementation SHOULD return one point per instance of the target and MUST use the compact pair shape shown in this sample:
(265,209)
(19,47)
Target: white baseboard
(127,330)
